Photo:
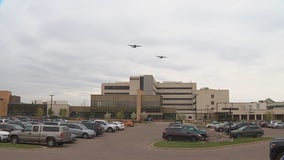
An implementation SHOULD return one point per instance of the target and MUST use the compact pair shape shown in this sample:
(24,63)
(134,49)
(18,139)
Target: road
(135,143)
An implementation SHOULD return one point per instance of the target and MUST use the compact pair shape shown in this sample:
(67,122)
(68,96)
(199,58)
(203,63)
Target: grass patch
(19,146)
(202,144)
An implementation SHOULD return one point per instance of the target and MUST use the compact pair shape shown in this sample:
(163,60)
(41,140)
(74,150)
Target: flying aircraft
(161,57)
(134,45)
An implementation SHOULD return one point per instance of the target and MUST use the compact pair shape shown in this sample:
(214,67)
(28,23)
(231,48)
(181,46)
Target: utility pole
(51,99)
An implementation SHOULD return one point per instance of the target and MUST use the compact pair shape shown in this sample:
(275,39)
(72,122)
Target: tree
(39,112)
(133,116)
(63,112)
(50,112)
(144,115)
(120,115)
(107,116)
(180,117)
(268,116)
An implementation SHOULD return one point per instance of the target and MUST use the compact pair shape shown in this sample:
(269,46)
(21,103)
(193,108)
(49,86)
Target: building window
(212,102)
(212,95)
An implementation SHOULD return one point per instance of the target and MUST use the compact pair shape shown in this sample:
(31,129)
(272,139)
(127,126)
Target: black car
(94,126)
(247,131)
(179,133)
(276,149)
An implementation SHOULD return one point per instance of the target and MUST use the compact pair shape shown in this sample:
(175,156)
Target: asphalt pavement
(134,143)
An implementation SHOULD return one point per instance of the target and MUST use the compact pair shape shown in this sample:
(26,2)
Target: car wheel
(193,139)
(109,130)
(85,135)
(169,138)
(14,139)
(238,136)
(258,135)
(50,142)
(280,156)
(221,129)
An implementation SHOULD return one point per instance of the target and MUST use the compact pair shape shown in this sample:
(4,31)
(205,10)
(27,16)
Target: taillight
(272,145)
(61,135)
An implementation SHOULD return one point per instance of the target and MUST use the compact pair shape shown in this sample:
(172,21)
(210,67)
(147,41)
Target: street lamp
(51,96)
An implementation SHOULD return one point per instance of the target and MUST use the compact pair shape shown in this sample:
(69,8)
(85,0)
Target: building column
(138,104)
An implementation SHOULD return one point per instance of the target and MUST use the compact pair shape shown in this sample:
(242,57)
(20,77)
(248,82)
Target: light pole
(51,98)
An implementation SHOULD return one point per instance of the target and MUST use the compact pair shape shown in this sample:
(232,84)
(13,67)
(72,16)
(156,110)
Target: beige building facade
(4,101)
(182,97)
(56,105)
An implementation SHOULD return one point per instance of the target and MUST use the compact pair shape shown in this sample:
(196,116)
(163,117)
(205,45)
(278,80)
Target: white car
(120,125)
(4,136)
(109,127)
(213,124)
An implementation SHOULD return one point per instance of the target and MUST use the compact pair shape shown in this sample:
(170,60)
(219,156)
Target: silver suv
(44,134)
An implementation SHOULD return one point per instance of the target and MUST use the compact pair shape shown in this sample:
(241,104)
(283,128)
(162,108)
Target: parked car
(177,124)
(276,149)
(270,124)
(43,134)
(178,133)
(277,125)
(99,129)
(263,123)
(119,125)
(213,124)
(51,123)
(80,130)
(10,127)
(4,136)
(194,129)
(21,123)
(248,131)
(128,123)
(108,126)
(235,126)
(4,120)
(221,127)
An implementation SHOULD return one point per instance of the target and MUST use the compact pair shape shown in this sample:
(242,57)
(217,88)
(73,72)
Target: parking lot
(135,143)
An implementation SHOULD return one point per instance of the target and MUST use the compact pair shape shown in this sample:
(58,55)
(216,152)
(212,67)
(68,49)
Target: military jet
(134,45)
(161,57)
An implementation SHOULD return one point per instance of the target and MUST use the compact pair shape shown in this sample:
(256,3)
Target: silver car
(80,130)
(277,125)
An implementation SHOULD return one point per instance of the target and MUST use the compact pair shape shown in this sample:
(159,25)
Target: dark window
(212,95)
(117,87)
(35,128)
(142,83)
(212,102)
(50,129)
(174,87)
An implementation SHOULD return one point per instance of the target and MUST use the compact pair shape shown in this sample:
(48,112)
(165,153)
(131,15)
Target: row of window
(116,87)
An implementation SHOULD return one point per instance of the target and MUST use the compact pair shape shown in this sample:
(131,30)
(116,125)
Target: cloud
(68,48)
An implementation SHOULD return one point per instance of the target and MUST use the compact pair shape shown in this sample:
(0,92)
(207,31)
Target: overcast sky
(68,47)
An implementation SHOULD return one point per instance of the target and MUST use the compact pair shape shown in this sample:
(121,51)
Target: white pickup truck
(51,135)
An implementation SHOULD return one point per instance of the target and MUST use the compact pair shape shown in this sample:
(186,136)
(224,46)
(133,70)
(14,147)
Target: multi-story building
(55,105)
(177,97)
(6,98)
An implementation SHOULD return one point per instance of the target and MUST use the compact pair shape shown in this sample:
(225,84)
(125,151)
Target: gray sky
(69,47)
